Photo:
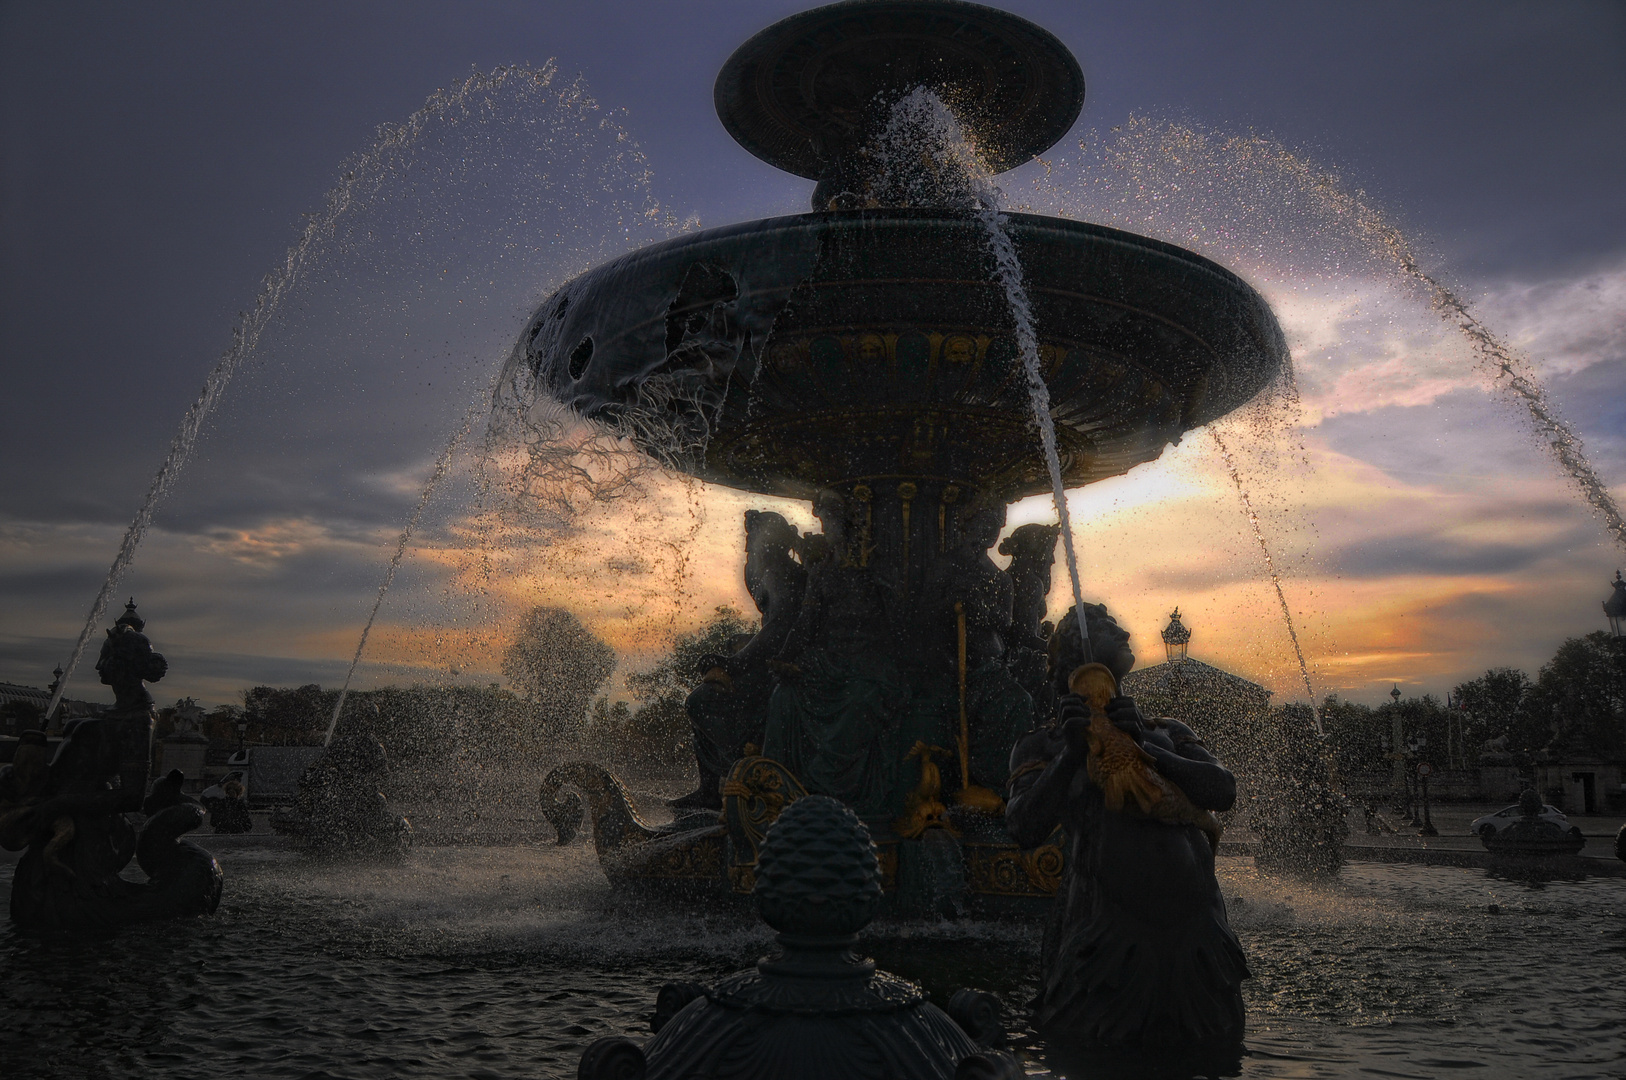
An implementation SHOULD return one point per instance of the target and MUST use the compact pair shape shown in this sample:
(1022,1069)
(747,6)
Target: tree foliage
(1493,705)
(1580,696)
(657,732)
(556,664)
(681,670)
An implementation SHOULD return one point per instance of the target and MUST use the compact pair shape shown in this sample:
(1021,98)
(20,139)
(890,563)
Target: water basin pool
(498,962)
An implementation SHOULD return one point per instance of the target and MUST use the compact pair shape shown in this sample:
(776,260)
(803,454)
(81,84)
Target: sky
(159,161)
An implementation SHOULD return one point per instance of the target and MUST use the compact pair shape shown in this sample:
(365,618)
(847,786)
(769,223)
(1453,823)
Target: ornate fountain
(67,812)
(863,356)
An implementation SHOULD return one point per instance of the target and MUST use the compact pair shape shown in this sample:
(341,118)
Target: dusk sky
(159,160)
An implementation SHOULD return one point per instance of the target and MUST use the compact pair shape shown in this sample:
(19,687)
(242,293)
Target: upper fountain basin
(821,350)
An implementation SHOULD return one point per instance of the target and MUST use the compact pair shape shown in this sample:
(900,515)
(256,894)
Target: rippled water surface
(507,962)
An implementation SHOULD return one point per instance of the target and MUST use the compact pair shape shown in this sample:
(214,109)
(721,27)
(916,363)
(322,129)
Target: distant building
(1226,710)
(10,692)
(22,707)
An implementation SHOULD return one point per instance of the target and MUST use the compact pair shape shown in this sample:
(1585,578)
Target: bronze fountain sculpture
(68,811)
(862,357)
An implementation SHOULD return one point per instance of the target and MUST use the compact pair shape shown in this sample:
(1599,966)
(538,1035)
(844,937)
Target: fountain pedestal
(816,1010)
(68,812)
(865,357)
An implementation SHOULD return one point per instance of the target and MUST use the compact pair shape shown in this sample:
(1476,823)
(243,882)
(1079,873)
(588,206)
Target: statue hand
(1126,717)
(1073,714)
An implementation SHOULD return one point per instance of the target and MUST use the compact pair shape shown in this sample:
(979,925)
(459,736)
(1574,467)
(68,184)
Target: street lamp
(1414,749)
(1176,638)
(1397,740)
(52,689)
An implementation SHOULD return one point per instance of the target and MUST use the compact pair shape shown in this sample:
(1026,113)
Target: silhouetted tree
(1493,705)
(1354,736)
(1579,697)
(658,731)
(681,670)
(556,664)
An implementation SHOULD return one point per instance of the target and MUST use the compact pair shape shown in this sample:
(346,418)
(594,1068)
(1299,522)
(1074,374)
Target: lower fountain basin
(790,354)
(510,960)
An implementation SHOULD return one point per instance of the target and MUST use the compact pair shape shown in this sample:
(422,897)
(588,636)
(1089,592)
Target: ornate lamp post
(52,689)
(1423,771)
(1397,753)
(1414,750)
(1176,638)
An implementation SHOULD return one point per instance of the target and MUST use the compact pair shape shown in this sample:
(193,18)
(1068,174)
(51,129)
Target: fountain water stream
(1511,373)
(359,177)
(1270,569)
(921,125)
(442,465)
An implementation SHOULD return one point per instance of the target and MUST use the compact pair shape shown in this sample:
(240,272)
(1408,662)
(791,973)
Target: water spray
(966,180)
(442,465)
(358,177)
(1270,569)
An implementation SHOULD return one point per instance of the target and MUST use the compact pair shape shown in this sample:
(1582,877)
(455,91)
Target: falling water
(360,175)
(1253,163)
(1009,270)
(443,464)
(1509,371)
(1270,568)
(922,114)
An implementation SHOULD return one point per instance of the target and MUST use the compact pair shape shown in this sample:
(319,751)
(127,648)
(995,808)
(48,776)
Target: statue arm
(1193,769)
(1043,766)
(806,622)
(779,618)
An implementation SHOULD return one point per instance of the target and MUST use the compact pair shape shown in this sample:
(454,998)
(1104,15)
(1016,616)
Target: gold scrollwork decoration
(1001,870)
(755,793)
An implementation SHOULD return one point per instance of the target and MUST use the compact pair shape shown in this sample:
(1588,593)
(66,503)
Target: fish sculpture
(1123,770)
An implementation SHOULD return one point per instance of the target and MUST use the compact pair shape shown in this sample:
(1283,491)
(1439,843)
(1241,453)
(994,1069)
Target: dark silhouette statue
(69,811)
(1138,956)
(729,709)
(839,703)
(1032,549)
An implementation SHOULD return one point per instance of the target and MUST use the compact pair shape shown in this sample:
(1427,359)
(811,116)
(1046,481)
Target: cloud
(1419,531)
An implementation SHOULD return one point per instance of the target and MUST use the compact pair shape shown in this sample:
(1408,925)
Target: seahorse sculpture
(616,824)
(1123,770)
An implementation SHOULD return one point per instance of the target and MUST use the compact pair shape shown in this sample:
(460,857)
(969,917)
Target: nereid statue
(1138,954)
(729,708)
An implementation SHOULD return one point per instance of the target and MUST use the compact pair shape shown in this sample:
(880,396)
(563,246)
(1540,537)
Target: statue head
(1032,547)
(1109,645)
(768,533)
(127,660)
(980,527)
(769,540)
(830,507)
(130,618)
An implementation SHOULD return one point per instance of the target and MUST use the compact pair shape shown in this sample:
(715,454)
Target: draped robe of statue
(1138,953)
(729,709)
(836,718)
